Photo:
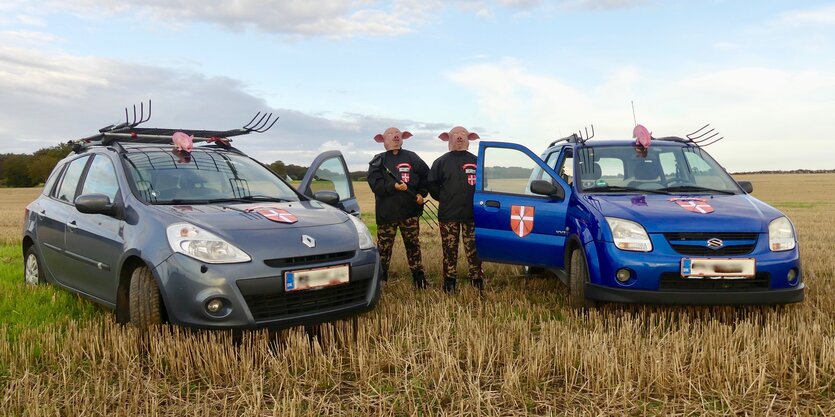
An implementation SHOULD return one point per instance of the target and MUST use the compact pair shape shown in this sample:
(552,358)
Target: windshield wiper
(249,199)
(697,188)
(619,188)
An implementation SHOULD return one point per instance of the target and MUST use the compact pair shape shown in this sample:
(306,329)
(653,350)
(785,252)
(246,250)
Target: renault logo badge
(715,243)
(308,241)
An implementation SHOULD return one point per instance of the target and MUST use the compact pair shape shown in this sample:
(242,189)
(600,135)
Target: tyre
(577,278)
(32,270)
(145,301)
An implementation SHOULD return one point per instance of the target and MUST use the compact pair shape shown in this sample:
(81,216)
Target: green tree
(16,171)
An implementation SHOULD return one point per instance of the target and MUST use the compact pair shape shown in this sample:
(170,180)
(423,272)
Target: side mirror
(95,204)
(746,186)
(547,188)
(328,197)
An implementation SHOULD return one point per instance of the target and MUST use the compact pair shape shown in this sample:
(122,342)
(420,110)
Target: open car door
(519,207)
(328,172)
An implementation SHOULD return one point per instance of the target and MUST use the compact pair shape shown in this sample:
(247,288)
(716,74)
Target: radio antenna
(634,120)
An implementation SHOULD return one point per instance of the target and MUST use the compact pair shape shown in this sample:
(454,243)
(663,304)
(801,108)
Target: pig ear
(473,136)
(444,136)
(406,135)
(379,138)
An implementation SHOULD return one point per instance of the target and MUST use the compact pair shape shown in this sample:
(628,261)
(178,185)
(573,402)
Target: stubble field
(517,350)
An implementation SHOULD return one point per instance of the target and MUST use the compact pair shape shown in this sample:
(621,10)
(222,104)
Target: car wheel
(577,278)
(145,301)
(32,271)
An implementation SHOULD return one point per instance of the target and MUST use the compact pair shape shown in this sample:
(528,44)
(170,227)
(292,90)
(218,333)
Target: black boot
(419,279)
(384,274)
(478,283)
(449,285)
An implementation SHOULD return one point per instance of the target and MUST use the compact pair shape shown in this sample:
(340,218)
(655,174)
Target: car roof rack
(576,137)
(128,132)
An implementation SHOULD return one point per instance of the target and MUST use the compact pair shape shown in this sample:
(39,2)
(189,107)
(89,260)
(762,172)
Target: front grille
(695,243)
(674,281)
(310,259)
(706,251)
(283,304)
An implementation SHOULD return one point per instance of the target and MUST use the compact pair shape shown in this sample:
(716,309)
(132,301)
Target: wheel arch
(131,263)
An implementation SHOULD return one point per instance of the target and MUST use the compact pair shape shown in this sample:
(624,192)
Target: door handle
(492,203)
(72,225)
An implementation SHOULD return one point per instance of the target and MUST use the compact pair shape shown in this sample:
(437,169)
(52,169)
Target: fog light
(792,275)
(214,305)
(623,275)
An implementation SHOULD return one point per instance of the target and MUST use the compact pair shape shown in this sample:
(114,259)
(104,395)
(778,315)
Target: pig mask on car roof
(458,138)
(392,138)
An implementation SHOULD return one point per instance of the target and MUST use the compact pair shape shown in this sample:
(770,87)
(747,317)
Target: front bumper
(253,293)
(690,297)
(657,278)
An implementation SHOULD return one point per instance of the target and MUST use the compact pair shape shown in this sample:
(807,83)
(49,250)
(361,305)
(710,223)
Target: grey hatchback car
(209,238)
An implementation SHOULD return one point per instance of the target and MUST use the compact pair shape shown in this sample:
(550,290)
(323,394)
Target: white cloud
(762,112)
(50,98)
(16,37)
(821,16)
(332,18)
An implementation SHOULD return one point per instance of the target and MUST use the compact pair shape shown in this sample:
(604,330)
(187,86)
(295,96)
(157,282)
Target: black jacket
(452,183)
(392,205)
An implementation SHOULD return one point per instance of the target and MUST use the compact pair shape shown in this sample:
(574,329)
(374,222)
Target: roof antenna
(634,120)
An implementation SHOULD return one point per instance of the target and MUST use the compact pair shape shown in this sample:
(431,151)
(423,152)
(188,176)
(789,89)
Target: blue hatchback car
(618,223)
(209,238)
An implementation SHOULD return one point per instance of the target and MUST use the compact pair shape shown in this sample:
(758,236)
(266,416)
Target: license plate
(730,268)
(305,279)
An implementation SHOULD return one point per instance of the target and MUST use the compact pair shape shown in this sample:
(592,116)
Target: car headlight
(781,235)
(203,245)
(629,235)
(362,231)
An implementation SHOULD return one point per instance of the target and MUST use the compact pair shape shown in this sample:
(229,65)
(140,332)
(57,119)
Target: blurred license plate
(731,268)
(305,279)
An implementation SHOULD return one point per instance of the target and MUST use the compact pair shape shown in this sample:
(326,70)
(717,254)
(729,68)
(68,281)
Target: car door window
(101,178)
(69,183)
(331,175)
(509,171)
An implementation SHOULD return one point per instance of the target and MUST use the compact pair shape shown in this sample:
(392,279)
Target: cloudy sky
(339,71)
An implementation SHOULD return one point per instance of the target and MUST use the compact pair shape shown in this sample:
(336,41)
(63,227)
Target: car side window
(566,168)
(101,178)
(331,176)
(509,171)
(69,183)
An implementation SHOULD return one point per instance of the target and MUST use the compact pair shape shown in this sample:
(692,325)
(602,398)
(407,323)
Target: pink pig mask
(642,136)
(392,138)
(182,142)
(459,138)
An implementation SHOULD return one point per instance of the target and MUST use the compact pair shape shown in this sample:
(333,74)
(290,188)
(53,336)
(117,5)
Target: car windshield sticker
(275,214)
(404,169)
(521,220)
(696,205)
(469,169)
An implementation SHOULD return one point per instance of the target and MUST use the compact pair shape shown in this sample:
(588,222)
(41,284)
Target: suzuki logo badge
(715,243)
(308,241)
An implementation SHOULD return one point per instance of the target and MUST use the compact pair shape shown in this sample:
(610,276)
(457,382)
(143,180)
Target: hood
(227,217)
(659,213)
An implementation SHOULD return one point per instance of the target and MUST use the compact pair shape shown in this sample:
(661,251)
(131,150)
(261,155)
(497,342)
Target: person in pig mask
(398,179)
(452,184)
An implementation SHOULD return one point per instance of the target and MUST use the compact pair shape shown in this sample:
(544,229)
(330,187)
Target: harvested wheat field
(518,350)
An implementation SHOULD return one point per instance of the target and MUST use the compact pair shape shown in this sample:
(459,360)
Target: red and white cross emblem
(275,214)
(521,220)
(469,169)
(696,205)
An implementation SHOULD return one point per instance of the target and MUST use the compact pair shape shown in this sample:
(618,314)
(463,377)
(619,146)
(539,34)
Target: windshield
(164,177)
(661,169)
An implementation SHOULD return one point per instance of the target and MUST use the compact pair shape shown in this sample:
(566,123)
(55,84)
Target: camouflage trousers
(410,232)
(449,240)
